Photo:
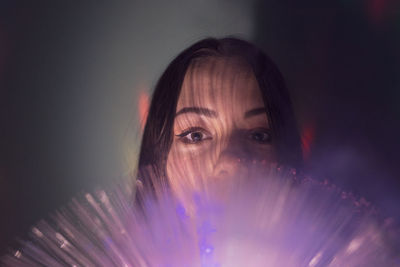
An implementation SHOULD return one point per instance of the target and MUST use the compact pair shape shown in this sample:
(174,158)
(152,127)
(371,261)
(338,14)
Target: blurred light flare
(274,219)
(307,139)
(377,9)
(143,106)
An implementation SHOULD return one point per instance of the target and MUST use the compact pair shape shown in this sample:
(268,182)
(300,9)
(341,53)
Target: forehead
(221,84)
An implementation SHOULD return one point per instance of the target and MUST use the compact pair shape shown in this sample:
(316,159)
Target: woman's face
(221,125)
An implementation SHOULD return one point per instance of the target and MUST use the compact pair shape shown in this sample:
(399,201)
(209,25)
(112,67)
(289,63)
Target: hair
(158,131)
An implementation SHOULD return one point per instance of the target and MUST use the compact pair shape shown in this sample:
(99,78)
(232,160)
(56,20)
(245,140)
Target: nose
(229,165)
(233,158)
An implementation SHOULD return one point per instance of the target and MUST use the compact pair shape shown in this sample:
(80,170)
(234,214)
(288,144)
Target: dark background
(71,72)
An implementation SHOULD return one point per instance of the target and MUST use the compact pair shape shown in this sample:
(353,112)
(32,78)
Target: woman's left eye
(260,136)
(194,136)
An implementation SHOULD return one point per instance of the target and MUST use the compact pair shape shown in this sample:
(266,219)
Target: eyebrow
(201,111)
(254,112)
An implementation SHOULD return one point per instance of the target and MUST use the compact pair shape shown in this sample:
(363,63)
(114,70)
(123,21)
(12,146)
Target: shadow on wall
(69,75)
(341,63)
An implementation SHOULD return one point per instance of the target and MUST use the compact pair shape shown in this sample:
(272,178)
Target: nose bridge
(232,156)
(235,145)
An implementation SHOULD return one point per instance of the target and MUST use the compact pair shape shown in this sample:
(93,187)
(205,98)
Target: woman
(220,108)
(219,105)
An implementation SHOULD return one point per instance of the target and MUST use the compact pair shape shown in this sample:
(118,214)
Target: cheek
(262,159)
(262,153)
(188,168)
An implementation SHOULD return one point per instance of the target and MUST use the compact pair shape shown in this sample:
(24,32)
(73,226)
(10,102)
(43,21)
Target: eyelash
(266,136)
(205,135)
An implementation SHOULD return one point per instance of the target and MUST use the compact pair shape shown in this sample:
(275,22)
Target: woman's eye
(260,136)
(194,136)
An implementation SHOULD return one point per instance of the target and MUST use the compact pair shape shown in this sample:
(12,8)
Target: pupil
(258,136)
(196,136)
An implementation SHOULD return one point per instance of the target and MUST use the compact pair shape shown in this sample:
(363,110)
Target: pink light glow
(266,220)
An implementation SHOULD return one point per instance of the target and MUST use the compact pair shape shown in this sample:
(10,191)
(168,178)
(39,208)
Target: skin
(220,127)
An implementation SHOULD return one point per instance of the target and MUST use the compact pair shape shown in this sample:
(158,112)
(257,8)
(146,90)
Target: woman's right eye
(194,136)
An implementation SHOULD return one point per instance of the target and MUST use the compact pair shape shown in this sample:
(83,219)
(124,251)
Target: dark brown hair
(158,131)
